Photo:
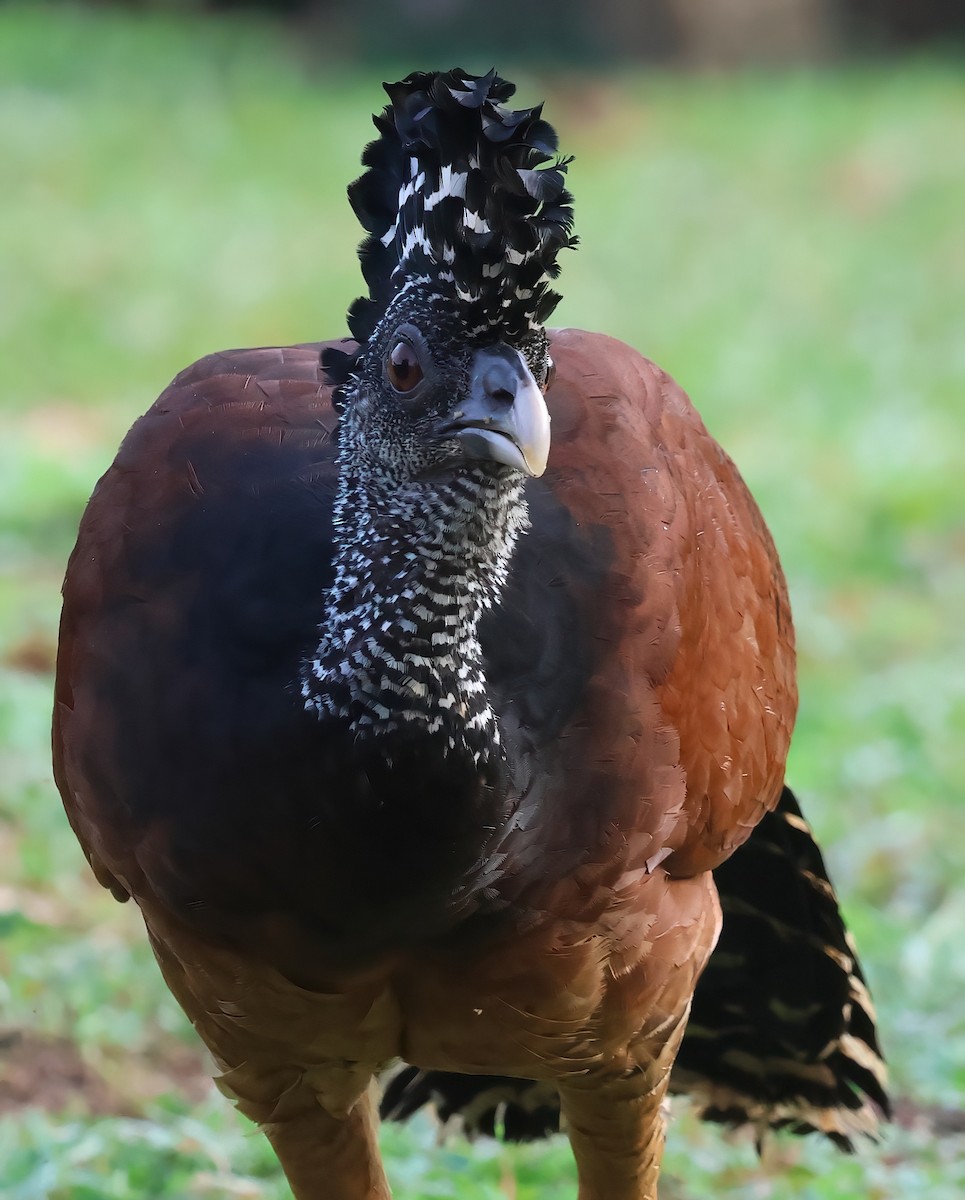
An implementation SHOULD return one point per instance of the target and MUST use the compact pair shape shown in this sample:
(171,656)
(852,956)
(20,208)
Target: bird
(429,690)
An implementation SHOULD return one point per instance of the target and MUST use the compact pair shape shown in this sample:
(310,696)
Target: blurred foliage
(787,244)
(722,32)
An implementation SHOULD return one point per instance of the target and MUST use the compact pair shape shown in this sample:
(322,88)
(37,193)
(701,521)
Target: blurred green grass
(790,247)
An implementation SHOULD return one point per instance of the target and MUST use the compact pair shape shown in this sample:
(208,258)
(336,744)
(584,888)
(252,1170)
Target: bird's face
(428,398)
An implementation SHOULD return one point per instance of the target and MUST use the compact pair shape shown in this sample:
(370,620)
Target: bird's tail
(782,1031)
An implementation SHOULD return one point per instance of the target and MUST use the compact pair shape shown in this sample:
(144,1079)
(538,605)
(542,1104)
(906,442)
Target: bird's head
(465,207)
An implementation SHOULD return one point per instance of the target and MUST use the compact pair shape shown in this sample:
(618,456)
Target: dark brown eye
(403,368)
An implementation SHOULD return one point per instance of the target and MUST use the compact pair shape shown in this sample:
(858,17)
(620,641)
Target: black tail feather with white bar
(782,1031)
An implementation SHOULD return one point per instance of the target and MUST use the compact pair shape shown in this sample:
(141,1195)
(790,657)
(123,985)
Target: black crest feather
(457,199)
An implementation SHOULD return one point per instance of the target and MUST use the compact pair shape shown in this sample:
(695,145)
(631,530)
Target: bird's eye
(550,373)
(403,368)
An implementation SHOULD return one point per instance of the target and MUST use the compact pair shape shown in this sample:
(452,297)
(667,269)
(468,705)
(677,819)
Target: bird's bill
(505,418)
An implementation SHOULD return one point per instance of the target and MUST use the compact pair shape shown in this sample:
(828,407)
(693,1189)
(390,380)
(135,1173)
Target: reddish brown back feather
(701,652)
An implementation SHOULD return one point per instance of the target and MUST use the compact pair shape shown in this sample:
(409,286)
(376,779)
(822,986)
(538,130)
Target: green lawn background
(791,247)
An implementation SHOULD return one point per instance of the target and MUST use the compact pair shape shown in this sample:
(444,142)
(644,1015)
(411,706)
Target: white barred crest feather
(463,197)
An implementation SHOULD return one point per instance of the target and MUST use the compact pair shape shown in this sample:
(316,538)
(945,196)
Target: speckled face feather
(464,228)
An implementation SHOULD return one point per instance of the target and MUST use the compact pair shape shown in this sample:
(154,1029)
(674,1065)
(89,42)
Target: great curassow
(433,746)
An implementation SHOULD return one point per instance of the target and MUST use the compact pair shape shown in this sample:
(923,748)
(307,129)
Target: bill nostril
(500,384)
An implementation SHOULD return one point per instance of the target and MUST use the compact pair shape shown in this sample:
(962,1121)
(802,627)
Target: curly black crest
(457,199)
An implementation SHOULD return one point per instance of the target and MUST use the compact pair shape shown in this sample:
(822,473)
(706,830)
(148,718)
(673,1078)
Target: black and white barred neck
(416,566)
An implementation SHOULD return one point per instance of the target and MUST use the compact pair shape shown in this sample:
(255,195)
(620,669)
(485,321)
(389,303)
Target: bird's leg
(320,1117)
(615,1118)
(614,1111)
(330,1158)
(616,1129)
